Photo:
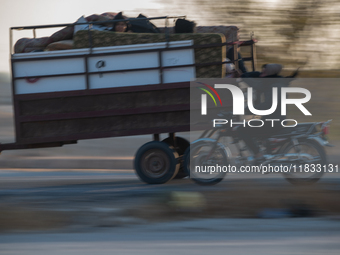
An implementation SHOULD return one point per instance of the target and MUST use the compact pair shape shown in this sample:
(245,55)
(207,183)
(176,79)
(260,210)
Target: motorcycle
(293,150)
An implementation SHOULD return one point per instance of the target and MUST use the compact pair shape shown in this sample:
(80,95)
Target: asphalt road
(99,197)
(211,236)
(75,189)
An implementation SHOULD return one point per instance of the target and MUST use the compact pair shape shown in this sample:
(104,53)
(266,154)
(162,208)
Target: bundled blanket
(63,39)
(24,45)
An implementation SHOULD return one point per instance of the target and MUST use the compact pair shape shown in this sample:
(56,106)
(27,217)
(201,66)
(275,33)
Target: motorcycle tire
(196,155)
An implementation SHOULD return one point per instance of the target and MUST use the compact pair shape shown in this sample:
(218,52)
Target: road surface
(211,236)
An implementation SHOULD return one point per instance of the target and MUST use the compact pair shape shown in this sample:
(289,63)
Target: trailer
(115,84)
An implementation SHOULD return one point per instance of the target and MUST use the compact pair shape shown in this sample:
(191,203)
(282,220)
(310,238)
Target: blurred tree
(302,14)
(294,32)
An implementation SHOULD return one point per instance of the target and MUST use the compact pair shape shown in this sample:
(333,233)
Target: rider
(263,88)
(121,26)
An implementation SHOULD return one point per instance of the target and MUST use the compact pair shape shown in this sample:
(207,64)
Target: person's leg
(247,134)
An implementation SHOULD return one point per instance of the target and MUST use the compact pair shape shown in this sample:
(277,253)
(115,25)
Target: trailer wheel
(156,163)
(181,146)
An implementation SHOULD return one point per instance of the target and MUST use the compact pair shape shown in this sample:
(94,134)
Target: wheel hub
(155,163)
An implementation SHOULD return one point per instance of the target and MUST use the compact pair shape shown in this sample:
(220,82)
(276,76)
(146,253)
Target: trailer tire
(181,146)
(156,162)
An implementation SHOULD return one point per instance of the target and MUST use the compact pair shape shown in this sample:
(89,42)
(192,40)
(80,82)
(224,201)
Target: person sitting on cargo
(230,55)
(121,26)
(185,26)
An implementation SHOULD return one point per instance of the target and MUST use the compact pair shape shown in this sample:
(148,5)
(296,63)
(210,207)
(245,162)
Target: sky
(43,12)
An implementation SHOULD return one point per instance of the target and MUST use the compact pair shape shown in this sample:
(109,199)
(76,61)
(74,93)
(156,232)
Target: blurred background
(295,33)
(89,186)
